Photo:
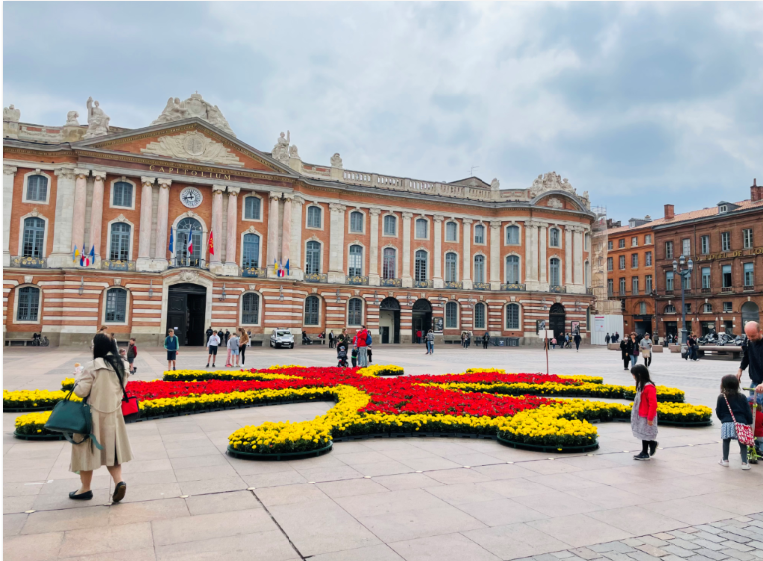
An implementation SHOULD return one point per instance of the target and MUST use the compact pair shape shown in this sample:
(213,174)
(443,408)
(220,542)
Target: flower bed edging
(548,447)
(280,456)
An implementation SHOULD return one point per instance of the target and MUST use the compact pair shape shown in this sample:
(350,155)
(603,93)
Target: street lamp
(683,273)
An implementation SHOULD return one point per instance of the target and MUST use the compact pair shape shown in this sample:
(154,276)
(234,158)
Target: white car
(282,338)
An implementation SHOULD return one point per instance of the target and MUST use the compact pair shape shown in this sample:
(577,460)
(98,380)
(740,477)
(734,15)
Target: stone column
(437,276)
(231,257)
(272,233)
(336,242)
(80,207)
(286,231)
(61,256)
(143,262)
(531,255)
(373,253)
(495,255)
(407,279)
(295,267)
(215,261)
(9,174)
(577,258)
(542,247)
(467,280)
(161,249)
(568,255)
(96,214)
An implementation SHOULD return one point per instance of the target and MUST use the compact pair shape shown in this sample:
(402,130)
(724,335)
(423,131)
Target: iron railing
(513,286)
(392,282)
(194,262)
(29,262)
(316,277)
(357,279)
(558,289)
(481,286)
(117,265)
(423,284)
(254,272)
(454,284)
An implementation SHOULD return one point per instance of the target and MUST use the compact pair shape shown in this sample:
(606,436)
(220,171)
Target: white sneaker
(745,466)
(724,463)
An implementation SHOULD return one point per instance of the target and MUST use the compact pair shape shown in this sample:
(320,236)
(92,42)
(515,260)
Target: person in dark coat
(485,340)
(606,339)
(577,341)
(625,352)
(730,401)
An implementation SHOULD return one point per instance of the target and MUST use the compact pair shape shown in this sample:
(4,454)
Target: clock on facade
(191,197)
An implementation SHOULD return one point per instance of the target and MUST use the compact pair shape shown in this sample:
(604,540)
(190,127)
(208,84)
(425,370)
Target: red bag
(758,422)
(130,407)
(744,432)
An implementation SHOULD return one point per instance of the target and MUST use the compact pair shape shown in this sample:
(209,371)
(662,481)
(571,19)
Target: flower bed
(33,400)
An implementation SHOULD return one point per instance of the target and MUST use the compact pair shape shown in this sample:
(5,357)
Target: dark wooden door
(177,315)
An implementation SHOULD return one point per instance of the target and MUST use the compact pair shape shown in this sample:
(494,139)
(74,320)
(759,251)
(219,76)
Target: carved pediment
(192,146)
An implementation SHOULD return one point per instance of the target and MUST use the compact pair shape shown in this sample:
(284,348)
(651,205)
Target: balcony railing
(513,286)
(392,282)
(749,287)
(727,289)
(254,272)
(357,279)
(316,277)
(669,292)
(117,265)
(193,262)
(559,289)
(30,262)
(706,290)
(423,284)
(454,284)
(481,286)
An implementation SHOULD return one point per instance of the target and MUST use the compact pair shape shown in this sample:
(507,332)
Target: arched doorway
(389,320)
(750,312)
(186,308)
(422,318)
(556,320)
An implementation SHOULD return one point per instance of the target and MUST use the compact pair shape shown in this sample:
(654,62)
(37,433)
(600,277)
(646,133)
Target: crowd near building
(182,225)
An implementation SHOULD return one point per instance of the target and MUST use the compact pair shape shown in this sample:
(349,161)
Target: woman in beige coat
(101,383)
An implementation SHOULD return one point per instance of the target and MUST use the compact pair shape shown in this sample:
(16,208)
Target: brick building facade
(392,253)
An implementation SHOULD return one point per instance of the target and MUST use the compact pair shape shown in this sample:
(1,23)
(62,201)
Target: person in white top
(213,342)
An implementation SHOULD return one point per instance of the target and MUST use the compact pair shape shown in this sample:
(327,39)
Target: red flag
(189,248)
(211,243)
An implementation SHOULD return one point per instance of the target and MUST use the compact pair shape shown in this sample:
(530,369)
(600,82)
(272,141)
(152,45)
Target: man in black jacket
(752,356)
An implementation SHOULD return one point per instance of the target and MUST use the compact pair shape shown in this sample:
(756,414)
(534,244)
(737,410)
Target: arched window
(388,263)
(512,235)
(355,311)
(314,217)
(512,317)
(390,225)
(479,316)
(451,232)
(554,272)
(479,268)
(451,315)
(670,309)
(251,250)
(356,221)
(120,241)
(356,261)
(188,227)
(420,265)
(34,237)
(479,234)
(421,228)
(116,305)
(451,267)
(312,310)
(553,237)
(313,258)
(250,309)
(28,303)
(512,269)
(37,188)
(252,208)
(121,194)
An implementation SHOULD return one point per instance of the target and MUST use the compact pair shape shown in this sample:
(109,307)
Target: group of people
(235,342)
(359,345)
(692,347)
(612,338)
(633,346)
(466,339)
(565,340)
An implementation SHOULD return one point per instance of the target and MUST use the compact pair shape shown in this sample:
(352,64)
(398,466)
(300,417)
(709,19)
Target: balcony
(29,262)
(513,286)
(423,284)
(749,287)
(192,262)
(254,272)
(396,283)
(481,286)
(669,292)
(316,277)
(117,265)
(357,279)
(454,284)
(559,289)
(706,290)
(727,289)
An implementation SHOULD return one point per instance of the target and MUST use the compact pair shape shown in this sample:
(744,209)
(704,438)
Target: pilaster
(80,207)
(542,248)
(9,175)
(160,261)
(467,276)
(272,257)
(577,256)
(215,260)
(231,257)
(96,214)
(62,227)
(286,231)
(407,280)
(437,280)
(336,272)
(531,255)
(568,255)
(495,255)
(373,254)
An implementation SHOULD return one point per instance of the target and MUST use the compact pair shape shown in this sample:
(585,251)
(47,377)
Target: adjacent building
(181,224)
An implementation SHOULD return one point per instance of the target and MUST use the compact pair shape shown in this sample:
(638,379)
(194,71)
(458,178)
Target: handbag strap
(729,406)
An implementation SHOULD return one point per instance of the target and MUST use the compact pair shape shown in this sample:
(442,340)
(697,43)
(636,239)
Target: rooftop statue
(97,120)
(11,114)
(281,149)
(194,106)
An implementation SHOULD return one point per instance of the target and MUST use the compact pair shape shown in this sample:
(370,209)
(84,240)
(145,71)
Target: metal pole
(683,310)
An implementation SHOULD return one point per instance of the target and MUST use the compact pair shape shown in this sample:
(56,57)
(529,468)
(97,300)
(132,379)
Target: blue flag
(287,267)
(172,240)
(92,254)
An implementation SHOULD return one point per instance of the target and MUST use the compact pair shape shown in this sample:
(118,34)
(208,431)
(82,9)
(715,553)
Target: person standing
(132,352)
(468,339)
(752,357)
(633,349)
(646,350)
(102,382)
(485,340)
(625,355)
(731,408)
(644,412)
(213,343)
(430,342)
(361,343)
(209,333)
(227,336)
(233,344)
(577,341)
(331,339)
(171,344)
(243,342)
(418,336)
(606,339)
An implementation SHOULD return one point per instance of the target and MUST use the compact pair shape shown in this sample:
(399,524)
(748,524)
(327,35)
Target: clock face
(191,197)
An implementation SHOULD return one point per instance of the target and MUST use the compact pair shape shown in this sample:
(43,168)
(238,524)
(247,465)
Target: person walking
(132,352)
(102,382)
(171,344)
(343,338)
(235,350)
(625,355)
(606,339)
(463,339)
(553,342)
(468,339)
(577,341)
(752,357)
(616,337)
(632,349)
(646,350)
(485,340)
(430,342)
(243,342)
(213,343)
(644,412)
(732,407)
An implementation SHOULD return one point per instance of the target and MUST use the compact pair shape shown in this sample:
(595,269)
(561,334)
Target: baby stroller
(756,404)
(341,355)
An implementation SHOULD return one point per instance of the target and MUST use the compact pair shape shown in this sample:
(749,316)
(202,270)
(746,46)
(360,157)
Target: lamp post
(682,274)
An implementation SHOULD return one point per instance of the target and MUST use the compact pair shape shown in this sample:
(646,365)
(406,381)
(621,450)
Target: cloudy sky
(639,104)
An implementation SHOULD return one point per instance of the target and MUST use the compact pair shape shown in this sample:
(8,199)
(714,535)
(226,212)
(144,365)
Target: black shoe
(643,457)
(213,366)
(653,447)
(207,366)
(86,496)
(119,492)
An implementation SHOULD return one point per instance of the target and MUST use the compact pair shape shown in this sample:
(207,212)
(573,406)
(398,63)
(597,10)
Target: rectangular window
(705,277)
(669,280)
(686,282)
(747,236)
(621,243)
(512,316)
(727,308)
(705,243)
(116,305)
(642,308)
(634,241)
(252,208)
(622,287)
(390,225)
(479,234)
(451,315)
(749,275)
(610,287)
(647,239)
(479,316)
(622,262)
(687,308)
(610,265)
(648,284)
(609,245)
(726,276)
(648,258)
(313,217)
(634,285)
(686,247)
(451,232)
(421,228)
(356,222)
(725,241)
(634,261)
(668,250)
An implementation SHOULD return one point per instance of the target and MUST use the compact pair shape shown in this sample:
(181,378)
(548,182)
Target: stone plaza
(385,499)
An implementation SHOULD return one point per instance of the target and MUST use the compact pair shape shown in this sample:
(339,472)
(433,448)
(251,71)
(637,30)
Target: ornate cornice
(147,180)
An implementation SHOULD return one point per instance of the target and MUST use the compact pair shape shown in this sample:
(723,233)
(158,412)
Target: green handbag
(70,417)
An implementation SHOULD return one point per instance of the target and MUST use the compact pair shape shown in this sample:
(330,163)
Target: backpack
(368,338)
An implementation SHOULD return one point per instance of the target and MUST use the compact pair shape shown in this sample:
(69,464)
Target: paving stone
(734,537)
(708,528)
(741,555)
(651,540)
(652,550)
(756,544)
(689,530)
(737,541)
(586,553)
(663,536)
(757,516)
(563,555)
(709,553)
(672,558)
(678,551)
(641,556)
(544,557)
(699,558)
(743,519)
(633,542)
(707,544)
(703,535)
(616,556)
(686,544)
(681,534)
(601,547)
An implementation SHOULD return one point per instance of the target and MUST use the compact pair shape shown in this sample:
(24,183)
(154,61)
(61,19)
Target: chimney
(756,193)
(669,213)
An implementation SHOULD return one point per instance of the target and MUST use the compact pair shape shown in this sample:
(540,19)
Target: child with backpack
(732,408)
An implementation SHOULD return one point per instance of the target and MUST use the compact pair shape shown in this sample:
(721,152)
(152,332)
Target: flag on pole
(287,267)
(75,254)
(172,240)
(92,255)
(275,267)
(211,244)
(190,243)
